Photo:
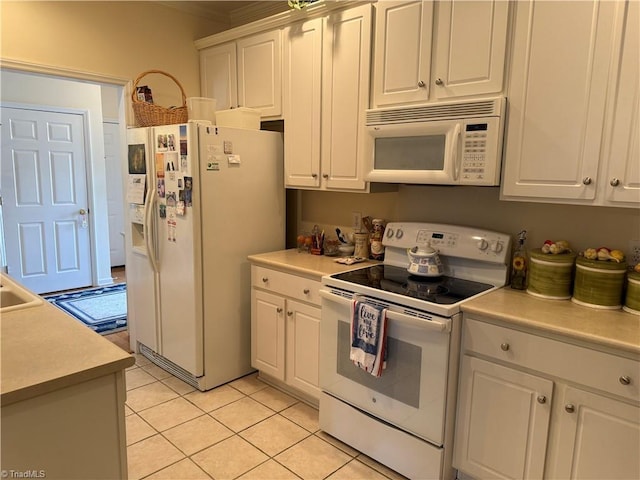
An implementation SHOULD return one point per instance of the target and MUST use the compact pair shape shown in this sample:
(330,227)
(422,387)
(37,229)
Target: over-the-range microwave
(454,143)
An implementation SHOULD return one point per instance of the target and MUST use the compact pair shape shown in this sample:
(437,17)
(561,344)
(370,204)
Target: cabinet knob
(306,291)
(586,180)
(265,279)
(289,313)
(625,380)
(505,346)
(570,408)
(439,82)
(314,175)
(325,175)
(614,182)
(542,399)
(279,309)
(421,84)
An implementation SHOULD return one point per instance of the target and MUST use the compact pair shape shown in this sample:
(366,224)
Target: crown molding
(19,65)
(279,20)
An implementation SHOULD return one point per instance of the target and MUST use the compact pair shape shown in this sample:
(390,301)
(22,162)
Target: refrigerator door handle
(149,234)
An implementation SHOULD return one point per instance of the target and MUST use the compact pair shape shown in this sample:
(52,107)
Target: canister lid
(566,257)
(601,264)
(634,276)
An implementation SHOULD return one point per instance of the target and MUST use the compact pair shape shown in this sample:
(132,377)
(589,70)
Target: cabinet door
(598,437)
(470,48)
(260,73)
(622,183)
(503,421)
(267,333)
(218,77)
(345,96)
(302,67)
(402,57)
(557,94)
(303,339)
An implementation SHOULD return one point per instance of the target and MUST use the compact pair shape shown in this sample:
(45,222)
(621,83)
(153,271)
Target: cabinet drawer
(299,288)
(573,363)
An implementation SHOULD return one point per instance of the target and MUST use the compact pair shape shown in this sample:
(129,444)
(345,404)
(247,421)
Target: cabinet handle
(265,279)
(542,399)
(505,346)
(439,82)
(421,84)
(306,291)
(570,408)
(625,380)
(586,180)
(279,309)
(614,182)
(289,313)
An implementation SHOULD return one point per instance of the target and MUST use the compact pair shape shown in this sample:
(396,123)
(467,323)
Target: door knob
(83,211)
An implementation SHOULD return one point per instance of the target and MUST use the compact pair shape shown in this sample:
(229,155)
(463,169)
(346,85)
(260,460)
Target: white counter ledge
(303,263)
(613,329)
(43,349)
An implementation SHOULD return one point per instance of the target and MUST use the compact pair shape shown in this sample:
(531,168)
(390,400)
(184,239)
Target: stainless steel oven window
(425,152)
(400,380)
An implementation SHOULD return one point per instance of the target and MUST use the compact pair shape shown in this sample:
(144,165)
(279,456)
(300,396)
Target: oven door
(411,392)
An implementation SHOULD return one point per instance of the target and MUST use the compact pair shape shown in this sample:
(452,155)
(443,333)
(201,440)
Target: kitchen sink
(15,297)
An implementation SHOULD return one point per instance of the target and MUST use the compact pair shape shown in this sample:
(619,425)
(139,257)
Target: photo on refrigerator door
(136,159)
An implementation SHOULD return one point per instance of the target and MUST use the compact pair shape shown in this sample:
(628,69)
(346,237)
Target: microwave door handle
(454,154)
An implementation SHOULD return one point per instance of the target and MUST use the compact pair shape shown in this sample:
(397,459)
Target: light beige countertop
(613,329)
(303,263)
(43,349)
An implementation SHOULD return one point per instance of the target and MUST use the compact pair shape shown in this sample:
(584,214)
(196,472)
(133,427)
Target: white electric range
(405,418)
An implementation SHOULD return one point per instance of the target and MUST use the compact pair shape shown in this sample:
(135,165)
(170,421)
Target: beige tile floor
(242,430)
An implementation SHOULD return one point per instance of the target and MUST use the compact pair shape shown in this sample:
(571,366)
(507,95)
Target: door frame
(101,265)
(88,165)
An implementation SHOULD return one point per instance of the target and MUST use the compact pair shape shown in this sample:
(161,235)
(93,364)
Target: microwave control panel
(479,143)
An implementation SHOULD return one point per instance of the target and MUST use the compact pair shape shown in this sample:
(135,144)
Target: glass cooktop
(444,290)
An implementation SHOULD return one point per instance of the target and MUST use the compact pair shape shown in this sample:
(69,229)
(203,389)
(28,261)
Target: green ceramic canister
(550,276)
(632,297)
(599,283)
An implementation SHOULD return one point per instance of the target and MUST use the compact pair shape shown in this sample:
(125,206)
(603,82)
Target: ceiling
(231,13)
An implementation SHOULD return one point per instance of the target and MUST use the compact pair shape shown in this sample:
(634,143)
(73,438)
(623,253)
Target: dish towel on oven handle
(368,337)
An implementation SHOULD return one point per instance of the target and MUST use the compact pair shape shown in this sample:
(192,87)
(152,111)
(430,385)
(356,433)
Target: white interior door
(44,191)
(115,204)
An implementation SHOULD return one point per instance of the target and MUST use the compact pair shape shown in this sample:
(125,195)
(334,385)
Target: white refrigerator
(200,199)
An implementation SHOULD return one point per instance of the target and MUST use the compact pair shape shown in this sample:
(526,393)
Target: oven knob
(399,234)
(482,244)
(496,247)
(389,232)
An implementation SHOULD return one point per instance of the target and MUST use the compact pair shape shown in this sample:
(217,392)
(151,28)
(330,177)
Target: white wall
(582,226)
(27,89)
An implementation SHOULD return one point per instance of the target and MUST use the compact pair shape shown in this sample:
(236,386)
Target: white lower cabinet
(285,329)
(535,407)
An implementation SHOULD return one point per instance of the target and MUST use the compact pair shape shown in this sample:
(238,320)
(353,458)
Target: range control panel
(450,240)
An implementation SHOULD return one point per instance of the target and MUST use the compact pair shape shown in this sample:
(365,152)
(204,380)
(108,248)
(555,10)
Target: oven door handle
(443,325)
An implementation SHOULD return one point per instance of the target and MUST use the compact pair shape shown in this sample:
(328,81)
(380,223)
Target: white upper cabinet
(402,57)
(565,55)
(218,75)
(469,48)
(302,78)
(326,92)
(428,51)
(621,182)
(245,73)
(260,73)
